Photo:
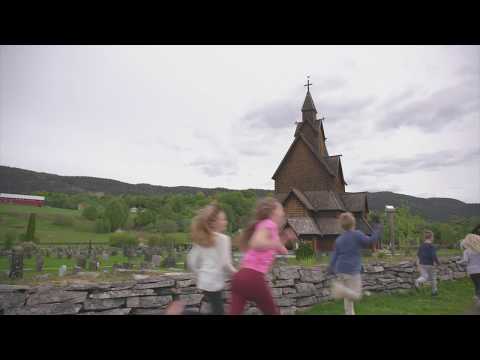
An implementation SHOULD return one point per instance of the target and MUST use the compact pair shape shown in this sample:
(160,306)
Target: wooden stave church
(310,184)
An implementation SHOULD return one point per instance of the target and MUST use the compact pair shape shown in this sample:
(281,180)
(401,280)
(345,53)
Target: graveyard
(133,163)
(73,246)
(142,277)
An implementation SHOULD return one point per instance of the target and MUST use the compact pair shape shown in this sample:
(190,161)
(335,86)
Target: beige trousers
(349,288)
(427,273)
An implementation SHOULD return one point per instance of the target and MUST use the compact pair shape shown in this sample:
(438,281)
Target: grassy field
(455,298)
(325,260)
(15,218)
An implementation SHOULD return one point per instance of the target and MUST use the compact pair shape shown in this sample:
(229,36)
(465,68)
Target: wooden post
(390,210)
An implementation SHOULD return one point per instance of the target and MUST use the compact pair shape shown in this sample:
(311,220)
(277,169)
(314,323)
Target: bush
(10,239)
(30,234)
(90,213)
(304,251)
(167,226)
(165,240)
(102,226)
(145,217)
(123,240)
(63,220)
(309,261)
(117,213)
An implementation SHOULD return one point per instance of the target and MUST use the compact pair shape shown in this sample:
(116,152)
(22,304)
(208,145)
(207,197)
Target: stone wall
(293,287)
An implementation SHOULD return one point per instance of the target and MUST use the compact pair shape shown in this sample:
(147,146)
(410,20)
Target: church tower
(310,184)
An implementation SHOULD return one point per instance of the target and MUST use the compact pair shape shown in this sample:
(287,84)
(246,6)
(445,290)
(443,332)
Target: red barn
(22,199)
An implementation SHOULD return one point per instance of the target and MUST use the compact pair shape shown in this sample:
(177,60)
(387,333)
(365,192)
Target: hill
(435,209)
(20,181)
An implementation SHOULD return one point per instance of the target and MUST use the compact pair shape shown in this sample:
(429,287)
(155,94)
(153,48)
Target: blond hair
(263,210)
(428,235)
(202,225)
(472,242)
(347,221)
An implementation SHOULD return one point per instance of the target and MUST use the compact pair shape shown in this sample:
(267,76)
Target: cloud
(275,115)
(425,161)
(399,98)
(438,110)
(341,109)
(330,84)
(214,167)
(282,114)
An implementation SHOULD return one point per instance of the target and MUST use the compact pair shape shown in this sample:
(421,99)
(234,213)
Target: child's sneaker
(175,308)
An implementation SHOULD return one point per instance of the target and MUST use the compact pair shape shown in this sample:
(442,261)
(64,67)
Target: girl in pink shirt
(260,242)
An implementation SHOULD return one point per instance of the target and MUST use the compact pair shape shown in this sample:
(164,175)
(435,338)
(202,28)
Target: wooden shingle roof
(325,200)
(301,137)
(308,104)
(304,226)
(335,165)
(355,202)
(328,225)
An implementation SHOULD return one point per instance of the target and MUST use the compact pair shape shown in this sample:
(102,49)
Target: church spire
(309,112)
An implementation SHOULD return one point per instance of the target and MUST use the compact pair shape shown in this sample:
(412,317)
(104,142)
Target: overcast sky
(405,118)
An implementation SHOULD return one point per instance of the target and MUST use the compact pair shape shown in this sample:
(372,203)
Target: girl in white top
(471,258)
(210,258)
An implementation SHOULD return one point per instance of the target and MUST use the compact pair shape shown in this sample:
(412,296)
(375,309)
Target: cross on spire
(308,84)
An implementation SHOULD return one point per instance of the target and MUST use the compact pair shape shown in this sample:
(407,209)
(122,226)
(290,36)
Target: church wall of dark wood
(294,208)
(303,171)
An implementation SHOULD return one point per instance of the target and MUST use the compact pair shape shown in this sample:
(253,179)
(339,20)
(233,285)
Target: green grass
(455,297)
(367,259)
(52,265)
(15,217)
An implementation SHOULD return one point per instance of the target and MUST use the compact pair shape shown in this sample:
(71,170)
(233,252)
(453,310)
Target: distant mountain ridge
(21,181)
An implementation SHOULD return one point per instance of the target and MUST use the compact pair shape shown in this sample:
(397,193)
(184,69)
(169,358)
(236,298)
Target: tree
(167,226)
(30,235)
(10,239)
(184,224)
(116,213)
(90,213)
(163,241)
(126,241)
(102,225)
(145,217)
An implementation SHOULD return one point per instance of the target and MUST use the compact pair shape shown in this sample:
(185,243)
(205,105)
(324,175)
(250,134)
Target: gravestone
(170,261)
(39,263)
(81,261)
(16,263)
(105,256)
(62,270)
(93,265)
(129,252)
(156,259)
(147,255)
(89,248)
